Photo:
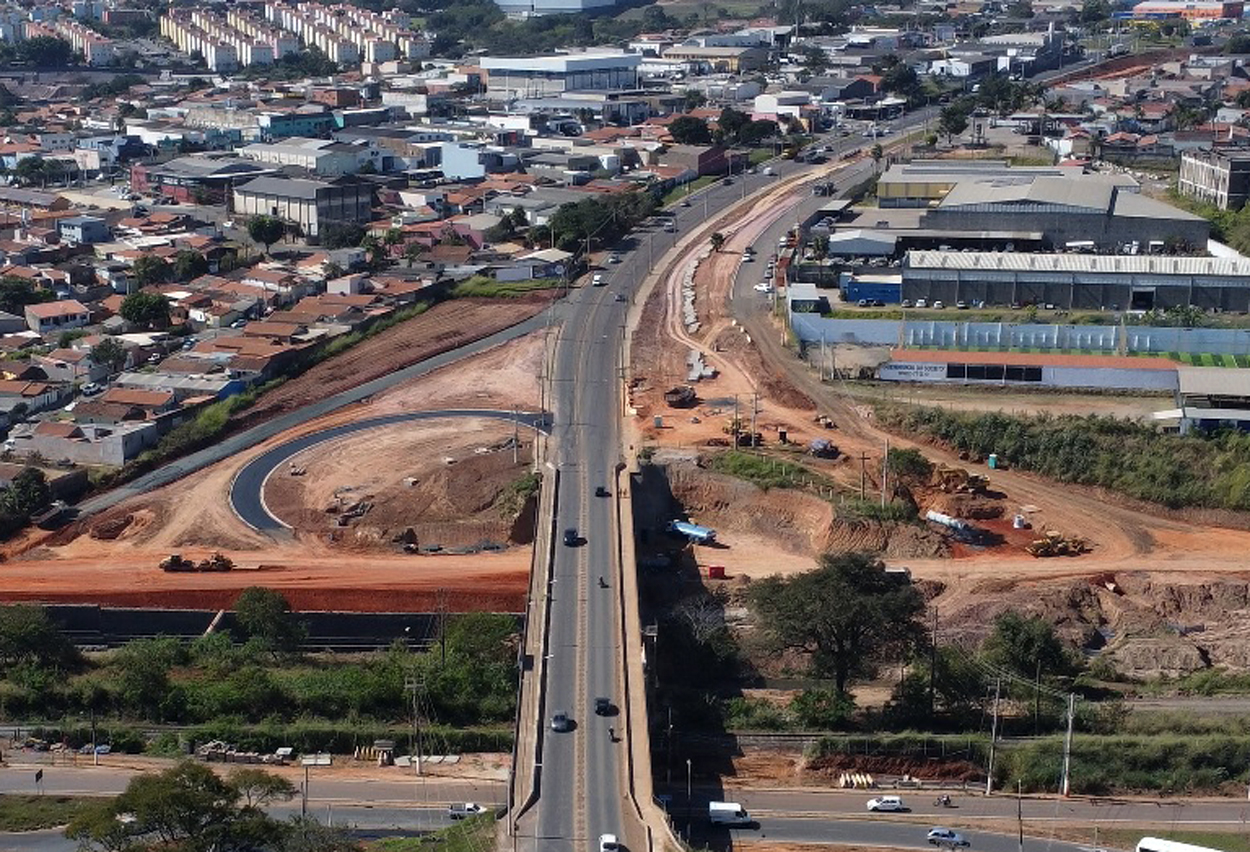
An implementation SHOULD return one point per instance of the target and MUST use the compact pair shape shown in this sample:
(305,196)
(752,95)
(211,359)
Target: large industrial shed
(1077,281)
(1027,368)
(1210,398)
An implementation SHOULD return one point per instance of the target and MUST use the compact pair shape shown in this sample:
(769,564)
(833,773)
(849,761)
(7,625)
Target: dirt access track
(113,558)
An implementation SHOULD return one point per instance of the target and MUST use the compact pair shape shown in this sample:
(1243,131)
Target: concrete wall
(949,334)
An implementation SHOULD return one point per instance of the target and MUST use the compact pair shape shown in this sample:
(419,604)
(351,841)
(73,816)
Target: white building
(544,76)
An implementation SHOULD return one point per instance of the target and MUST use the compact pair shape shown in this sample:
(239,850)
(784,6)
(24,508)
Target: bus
(1154,844)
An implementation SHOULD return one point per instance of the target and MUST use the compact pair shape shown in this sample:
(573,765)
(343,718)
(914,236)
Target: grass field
(1126,838)
(34,813)
(480,285)
(470,835)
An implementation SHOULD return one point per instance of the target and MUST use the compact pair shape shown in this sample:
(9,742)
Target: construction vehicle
(682,396)
(693,532)
(296,470)
(956,480)
(1054,543)
(175,562)
(216,562)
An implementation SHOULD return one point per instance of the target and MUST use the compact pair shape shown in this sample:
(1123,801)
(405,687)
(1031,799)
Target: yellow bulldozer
(1057,544)
(956,480)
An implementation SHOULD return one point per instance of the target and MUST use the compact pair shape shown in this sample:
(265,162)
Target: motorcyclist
(612,733)
(602,583)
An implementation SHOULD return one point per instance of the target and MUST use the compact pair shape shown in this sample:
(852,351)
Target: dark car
(601,491)
(561,723)
(603,706)
(570,537)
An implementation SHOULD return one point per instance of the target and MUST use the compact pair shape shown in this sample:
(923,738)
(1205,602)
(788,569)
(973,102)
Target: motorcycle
(602,583)
(943,802)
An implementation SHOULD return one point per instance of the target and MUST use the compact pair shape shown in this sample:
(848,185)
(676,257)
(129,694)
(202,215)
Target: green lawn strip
(469,835)
(679,192)
(20,812)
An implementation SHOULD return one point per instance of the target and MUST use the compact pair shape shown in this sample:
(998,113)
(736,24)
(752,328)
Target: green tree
(258,788)
(110,353)
(688,130)
(877,153)
(1028,647)
(731,123)
(1238,43)
(337,235)
(29,493)
(694,98)
(46,51)
(718,240)
(952,122)
(29,637)
(30,171)
(848,614)
(266,618)
(187,807)
(814,58)
(1094,11)
(822,709)
(143,667)
(189,264)
(150,310)
(413,252)
(265,230)
(150,269)
(909,465)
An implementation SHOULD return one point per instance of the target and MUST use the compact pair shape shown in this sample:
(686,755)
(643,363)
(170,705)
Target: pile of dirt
(1145,626)
(830,768)
(795,521)
(773,384)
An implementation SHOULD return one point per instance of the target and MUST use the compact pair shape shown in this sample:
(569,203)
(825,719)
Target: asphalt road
(251,437)
(247,490)
(881,833)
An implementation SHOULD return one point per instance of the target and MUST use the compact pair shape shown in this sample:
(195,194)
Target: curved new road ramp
(247,490)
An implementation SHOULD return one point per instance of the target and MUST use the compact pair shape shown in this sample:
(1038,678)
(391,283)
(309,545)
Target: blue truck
(694,532)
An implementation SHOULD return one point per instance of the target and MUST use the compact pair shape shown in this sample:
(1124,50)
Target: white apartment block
(224,45)
(95,48)
(375,37)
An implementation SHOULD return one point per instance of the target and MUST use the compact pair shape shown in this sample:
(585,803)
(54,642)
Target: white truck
(728,813)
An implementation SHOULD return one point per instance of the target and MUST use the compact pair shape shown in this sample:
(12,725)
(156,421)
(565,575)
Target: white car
(886,803)
(946,837)
(747,257)
(598,280)
(464,810)
(607,843)
(763,287)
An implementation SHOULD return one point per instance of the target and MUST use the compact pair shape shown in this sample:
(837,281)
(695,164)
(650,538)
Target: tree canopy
(187,807)
(688,130)
(848,614)
(150,269)
(109,353)
(189,264)
(16,293)
(146,309)
(265,615)
(29,637)
(1027,647)
(265,230)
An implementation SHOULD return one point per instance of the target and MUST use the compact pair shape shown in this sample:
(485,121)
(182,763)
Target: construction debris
(697,368)
(682,396)
(1054,543)
(956,480)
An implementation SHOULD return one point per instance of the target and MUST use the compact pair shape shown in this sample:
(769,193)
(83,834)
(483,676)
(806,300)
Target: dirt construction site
(385,519)
(1161,590)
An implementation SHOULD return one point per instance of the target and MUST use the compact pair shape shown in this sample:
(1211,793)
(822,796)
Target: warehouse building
(510,77)
(1209,398)
(1106,372)
(1077,281)
(1070,212)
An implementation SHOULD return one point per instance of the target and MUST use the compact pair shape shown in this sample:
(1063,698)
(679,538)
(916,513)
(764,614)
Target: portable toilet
(716,572)
(992,461)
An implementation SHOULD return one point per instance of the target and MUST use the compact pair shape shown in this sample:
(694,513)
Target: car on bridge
(607,843)
(571,538)
(603,706)
(561,723)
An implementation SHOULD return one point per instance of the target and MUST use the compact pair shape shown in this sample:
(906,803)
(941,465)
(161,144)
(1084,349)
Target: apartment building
(96,49)
(1220,177)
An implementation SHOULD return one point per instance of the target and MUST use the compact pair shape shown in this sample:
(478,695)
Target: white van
(728,813)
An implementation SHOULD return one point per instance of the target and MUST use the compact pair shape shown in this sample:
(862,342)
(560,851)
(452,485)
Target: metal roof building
(1077,281)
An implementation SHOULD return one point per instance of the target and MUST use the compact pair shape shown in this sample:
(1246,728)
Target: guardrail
(542,565)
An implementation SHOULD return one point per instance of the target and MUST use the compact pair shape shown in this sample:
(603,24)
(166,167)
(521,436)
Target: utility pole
(440,596)
(989,775)
(736,423)
(516,435)
(303,800)
(863,474)
(885,466)
(933,664)
(1067,747)
(413,685)
(755,410)
(1020,819)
